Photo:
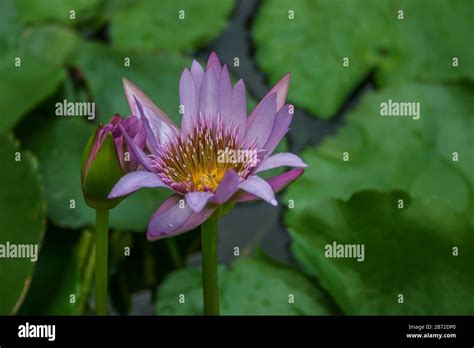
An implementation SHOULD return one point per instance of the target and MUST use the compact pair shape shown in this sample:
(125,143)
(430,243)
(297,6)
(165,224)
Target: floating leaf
(331,46)
(417,260)
(173,25)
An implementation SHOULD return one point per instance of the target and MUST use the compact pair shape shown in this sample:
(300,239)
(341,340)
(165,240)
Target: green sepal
(103,173)
(223,210)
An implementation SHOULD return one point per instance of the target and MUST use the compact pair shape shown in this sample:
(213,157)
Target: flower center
(199,160)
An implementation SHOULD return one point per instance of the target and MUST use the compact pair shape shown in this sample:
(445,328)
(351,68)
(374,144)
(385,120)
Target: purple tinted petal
(214,63)
(140,156)
(280,127)
(239,107)
(134,181)
(225,96)
(259,130)
(197,200)
(281,159)
(198,73)
(150,136)
(188,99)
(277,183)
(227,187)
(169,218)
(259,187)
(209,95)
(174,217)
(281,90)
(160,123)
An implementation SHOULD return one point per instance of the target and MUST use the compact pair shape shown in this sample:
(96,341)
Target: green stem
(101,260)
(209,267)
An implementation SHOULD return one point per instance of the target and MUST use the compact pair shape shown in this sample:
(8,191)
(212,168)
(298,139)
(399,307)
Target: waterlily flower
(189,160)
(107,157)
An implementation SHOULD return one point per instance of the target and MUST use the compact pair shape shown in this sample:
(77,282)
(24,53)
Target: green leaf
(23,87)
(252,286)
(203,21)
(59,145)
(56,10)
(22,212)
(10,25)
(156,74)
(409,252)
(67,261)
(387,153)
(51,43)
(312,46)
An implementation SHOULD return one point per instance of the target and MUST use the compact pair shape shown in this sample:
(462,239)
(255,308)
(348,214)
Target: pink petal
(279,160)
(225,96)
(214,63)
(281,90)
(280,127)
(174,217)
(188,99)
(160,123)
(227,187)
(277,183)
(260,128)
(197,200)
(140,156)
(239,107)
(198,73)
(260,188)
(134,181)
(209,95)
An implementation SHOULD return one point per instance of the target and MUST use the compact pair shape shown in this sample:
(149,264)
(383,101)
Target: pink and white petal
(286,159)
(277,183)
(197,200)
(280,128)
(209,95)
(160,123)
(239,108)
(225,96)
(260,188)
(134,181)
(280,89)
(228,186)
(260,128)
(188,99)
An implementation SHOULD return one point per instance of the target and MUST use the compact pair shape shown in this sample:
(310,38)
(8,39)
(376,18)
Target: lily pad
(22,212)
(417,260)
(252,286)
(387,152)
(56,10)
(173,25)
(312,39)
(16,100)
